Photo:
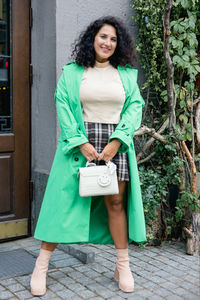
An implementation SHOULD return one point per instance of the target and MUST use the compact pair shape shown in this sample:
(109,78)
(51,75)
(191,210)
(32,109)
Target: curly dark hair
(84,53)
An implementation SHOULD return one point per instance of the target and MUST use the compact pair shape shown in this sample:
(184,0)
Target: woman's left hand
(110,150)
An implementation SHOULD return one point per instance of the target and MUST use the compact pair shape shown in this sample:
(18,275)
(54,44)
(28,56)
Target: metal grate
(16,262)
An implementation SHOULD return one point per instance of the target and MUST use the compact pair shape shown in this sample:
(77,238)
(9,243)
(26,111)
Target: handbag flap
(94,171)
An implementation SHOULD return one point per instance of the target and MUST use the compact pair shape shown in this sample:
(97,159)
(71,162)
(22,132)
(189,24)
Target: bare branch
(196,101)
(147,158)
(151,140)
(188,232)
(151,131)
(193,167)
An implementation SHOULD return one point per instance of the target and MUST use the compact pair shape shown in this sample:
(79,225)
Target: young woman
(99,108)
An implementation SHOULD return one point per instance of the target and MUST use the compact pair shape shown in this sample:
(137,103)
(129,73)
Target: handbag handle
(112,167)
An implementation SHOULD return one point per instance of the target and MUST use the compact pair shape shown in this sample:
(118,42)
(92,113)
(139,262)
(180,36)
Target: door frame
(20,139)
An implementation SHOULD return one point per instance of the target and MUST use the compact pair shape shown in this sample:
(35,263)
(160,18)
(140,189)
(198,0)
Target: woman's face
(105,43)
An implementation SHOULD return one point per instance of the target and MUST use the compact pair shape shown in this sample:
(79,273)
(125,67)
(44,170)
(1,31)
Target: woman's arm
(71,134)
(130,119)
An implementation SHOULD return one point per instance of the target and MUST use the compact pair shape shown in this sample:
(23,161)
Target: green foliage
(164,169)
(185,26)
(154,190)
(155,181)
(186,200)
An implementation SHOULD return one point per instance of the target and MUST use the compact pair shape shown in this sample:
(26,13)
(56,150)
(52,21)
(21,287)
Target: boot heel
(116,275)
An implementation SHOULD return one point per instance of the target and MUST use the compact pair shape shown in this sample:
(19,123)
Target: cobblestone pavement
(160,273)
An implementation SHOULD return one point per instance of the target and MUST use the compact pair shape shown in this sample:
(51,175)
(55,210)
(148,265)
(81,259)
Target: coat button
(76,159)
(123,125)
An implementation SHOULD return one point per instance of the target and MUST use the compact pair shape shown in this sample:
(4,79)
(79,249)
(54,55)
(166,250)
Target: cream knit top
(102,94)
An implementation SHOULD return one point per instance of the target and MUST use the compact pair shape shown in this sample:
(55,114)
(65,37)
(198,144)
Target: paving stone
(67,281)
(150,286)
(160,273)
(49,295)
(174,297)
(186,285)
(196,290)
(104,280)
(59,257)
(23,294)
(97,298)
(2,288)
(155,297)
(56,274)
(157,279)
(179,291)
(168,285)
(162,292)
(66,262)
(7,282)
(75,274)
(114,298)
(190,297)
(145,293)
(83,268)
(92,274)
(134,296)
(99,268)
(86,294)
(68,269)
(174,279)
(105,293)
(57,287)
(66,294)
(16,287)
(85,280)
(77,287)
(5,295)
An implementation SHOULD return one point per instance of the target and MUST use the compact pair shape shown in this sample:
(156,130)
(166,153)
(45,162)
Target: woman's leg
(49,246)
(117,217)
(38,278)
(118,228)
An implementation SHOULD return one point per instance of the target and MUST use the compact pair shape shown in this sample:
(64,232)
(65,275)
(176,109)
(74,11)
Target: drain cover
(16,262)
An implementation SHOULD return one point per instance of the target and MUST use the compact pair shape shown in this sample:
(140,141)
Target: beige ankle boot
(122,272)
(38,278)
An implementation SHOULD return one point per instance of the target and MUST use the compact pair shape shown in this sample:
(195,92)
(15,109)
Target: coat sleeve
(131,117)
(71,134)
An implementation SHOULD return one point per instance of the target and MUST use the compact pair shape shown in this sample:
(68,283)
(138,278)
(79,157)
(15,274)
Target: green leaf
(182,103)
(185,57)
(185,119)
(197,68)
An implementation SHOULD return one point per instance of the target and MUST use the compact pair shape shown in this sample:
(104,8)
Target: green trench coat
(65,217)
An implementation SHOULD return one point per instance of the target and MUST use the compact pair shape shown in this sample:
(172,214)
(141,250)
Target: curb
(85,256)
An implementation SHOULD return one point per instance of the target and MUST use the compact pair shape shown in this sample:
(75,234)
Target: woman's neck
(101,64)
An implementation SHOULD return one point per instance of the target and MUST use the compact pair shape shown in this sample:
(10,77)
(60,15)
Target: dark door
(14,118)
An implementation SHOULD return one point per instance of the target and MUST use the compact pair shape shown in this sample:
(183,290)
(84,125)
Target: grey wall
(43,112)
(73,16)
(44,80)
(56,24)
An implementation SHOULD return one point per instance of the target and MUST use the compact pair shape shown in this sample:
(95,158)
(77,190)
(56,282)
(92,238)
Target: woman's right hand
(89,151)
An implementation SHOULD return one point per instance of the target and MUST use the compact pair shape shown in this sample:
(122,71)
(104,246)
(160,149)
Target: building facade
(35,42)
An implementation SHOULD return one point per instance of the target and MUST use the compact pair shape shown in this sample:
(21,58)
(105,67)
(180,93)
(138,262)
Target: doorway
(14,118)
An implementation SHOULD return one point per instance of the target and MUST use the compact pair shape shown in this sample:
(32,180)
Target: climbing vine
(172,163)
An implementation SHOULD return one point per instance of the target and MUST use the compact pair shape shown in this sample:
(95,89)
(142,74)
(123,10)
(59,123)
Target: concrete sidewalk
(160,273)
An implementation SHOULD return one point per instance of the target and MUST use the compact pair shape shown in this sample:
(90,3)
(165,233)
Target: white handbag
(98,180)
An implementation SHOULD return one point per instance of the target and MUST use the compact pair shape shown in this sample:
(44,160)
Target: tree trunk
(193,235)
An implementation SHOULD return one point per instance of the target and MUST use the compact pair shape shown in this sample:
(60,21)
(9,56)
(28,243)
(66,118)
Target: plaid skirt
(98,135)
